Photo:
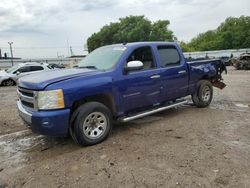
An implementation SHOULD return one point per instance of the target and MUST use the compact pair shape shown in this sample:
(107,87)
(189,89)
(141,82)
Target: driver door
(141,88)
(23,71)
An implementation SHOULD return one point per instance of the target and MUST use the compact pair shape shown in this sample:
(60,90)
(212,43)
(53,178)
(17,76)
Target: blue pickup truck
(120,82)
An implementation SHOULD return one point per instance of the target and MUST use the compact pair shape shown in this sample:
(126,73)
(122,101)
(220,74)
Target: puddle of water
(229,105)
(19,133)
(16,149)
(221,105)
(13,147)
(242,105)
(238,144)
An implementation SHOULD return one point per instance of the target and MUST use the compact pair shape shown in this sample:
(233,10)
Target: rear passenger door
(34,69)
(174,73)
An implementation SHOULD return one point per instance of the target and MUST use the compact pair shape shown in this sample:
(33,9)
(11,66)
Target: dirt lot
(181,147)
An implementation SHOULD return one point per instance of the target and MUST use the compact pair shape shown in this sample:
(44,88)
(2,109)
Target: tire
(72,135)
(92,124)
(203,95)
(8,82)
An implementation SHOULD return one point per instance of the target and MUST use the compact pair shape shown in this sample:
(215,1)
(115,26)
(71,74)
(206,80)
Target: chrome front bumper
(26,116)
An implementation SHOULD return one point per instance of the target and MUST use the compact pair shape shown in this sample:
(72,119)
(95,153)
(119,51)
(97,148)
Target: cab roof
(32,63)
(131,44)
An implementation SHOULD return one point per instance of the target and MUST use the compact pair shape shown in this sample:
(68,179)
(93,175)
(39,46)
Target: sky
(46,28)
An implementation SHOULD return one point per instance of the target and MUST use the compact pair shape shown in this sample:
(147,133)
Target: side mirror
(17,73)
(133,66)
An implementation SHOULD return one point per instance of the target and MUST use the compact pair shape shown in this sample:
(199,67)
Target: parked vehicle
(58,66)
(120,82)
(243,62)
(10,76)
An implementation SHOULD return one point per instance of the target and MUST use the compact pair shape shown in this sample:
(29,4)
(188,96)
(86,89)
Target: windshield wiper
(89,67)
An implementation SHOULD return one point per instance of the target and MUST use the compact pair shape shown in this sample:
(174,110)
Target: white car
(10,76)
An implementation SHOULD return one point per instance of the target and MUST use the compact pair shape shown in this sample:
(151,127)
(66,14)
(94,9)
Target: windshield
(11,69)
(103,58)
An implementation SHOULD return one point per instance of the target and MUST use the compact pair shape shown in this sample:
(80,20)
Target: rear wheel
(92,125)
(8,82)
(203,95)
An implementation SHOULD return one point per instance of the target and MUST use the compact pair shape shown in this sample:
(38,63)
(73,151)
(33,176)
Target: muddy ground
(181,147)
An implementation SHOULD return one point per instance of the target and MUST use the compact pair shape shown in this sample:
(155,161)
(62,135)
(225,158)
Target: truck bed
(205,69)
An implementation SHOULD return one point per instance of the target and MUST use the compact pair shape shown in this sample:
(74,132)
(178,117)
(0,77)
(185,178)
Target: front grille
(30,105)
(26,93)
(27,97)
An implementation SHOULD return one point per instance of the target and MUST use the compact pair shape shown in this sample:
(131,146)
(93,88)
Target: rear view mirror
(17,73)
(133,66)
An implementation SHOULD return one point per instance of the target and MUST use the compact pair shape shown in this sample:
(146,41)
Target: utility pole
(71,51)
(68,49)
(10,43)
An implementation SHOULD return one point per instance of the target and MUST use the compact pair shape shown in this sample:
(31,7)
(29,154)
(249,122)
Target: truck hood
(42,79)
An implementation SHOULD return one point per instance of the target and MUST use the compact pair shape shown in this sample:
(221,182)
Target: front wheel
(8,82)
(93,124)
(203,95)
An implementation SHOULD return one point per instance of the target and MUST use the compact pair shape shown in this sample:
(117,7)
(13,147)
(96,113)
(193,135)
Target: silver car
(10,76)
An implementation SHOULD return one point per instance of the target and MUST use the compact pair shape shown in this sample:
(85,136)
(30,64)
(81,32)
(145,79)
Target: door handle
(182,72)
(155,76)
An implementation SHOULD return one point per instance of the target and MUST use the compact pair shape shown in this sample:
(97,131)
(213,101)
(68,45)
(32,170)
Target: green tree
(185,47)
(160,32)
(234,33)
(205,41)
(131,29)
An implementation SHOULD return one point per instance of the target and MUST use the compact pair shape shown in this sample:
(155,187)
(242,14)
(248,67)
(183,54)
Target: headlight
(52,99)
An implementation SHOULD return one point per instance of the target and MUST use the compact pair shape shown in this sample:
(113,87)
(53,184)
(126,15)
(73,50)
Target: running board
(140,115)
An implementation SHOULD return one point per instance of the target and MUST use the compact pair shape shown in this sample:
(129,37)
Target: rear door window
(36,68)
(169,56)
